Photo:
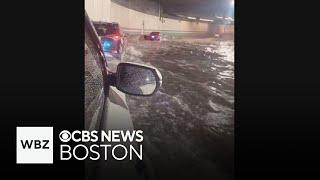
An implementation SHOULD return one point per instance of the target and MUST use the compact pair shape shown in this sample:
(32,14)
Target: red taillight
(115,37)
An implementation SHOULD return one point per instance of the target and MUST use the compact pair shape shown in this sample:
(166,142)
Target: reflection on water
(188,125)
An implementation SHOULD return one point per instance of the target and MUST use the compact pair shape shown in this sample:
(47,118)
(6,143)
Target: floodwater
(189,124)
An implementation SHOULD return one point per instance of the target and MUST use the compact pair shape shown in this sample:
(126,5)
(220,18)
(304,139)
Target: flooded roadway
(189,124)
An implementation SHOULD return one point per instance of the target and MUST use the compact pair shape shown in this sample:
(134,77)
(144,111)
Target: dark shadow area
(148,7)
(144,6)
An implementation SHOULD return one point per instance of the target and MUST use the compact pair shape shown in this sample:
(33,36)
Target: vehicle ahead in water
(112,39)
(105,104)
(153,36)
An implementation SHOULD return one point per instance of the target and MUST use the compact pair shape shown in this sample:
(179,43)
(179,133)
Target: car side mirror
(137,79)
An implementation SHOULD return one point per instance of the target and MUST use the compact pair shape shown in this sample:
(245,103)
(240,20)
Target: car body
(105,105)
(153,36)
(112,38)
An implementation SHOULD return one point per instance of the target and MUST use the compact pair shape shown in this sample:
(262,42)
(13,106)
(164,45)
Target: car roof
(93,33)
(105,23)
(101,22)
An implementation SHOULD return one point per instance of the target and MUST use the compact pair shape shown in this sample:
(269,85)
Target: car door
(105,108)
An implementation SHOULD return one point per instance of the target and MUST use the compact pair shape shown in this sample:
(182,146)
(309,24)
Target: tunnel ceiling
(198,8)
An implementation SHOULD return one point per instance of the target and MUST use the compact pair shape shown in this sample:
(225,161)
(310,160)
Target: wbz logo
(34,145)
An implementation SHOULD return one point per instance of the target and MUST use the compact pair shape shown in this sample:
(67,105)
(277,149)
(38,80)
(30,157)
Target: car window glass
(94,95)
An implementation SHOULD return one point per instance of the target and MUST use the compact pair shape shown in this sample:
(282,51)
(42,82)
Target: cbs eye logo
(65,136)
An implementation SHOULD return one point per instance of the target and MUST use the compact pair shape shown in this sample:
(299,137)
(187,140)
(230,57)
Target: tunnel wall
(98,10)
(139,16)
(221,29)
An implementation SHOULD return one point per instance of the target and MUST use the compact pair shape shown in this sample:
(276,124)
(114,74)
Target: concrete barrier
(221,29)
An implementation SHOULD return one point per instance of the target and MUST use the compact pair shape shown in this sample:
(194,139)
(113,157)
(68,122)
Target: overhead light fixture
(208,20)
(192,18)
(179,15)
(232,3)
(229,18)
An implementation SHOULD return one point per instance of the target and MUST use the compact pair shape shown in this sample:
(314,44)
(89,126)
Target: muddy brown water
(188,125)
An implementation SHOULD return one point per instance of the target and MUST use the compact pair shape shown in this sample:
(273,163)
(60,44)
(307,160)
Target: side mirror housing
(137,79)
